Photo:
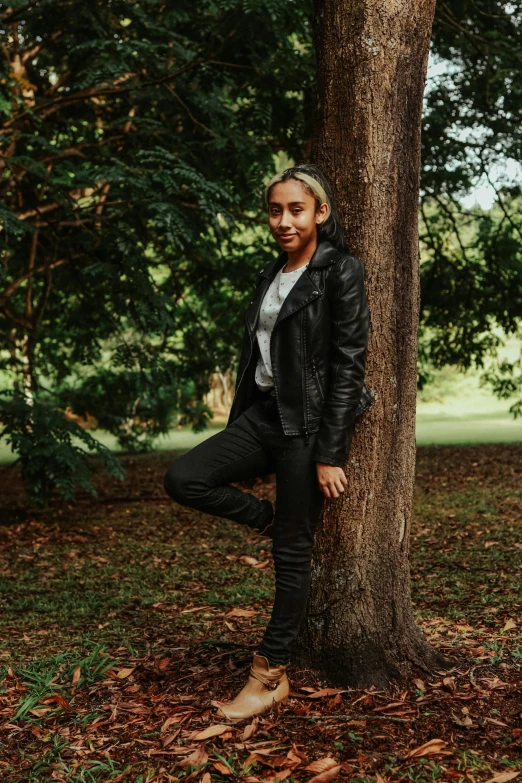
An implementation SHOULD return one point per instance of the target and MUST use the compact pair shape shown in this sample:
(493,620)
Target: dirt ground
(124,616)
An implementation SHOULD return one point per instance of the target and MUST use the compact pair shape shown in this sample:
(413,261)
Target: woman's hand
(332,480)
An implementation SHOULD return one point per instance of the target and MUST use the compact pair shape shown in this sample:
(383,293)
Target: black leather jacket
(318,351)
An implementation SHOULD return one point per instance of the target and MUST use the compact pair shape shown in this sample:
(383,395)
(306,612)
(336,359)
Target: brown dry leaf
(172,719)
(326,692)
(466,721)
(293,757)
(433,746)
(123,673)
(498,723)
(258,755)
(76,676)
(321,765)
(509,625)
(222,767)
(379,778)
(449,682)
(237,612)
(168,738)
(393,705)
(250,730)
(206,778)
(326,777)
(278,776)
(248,560)
(261,565)
(199,756)
(58,699)
(211,731)
(163,664)
(502,777)
(495,682)
(39,711)
(420,685)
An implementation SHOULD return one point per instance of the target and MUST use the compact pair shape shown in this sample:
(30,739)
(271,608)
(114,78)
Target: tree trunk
(372,60)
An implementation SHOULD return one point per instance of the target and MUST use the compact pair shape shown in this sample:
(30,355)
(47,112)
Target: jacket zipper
(245,368)
(315,375)
(305,390)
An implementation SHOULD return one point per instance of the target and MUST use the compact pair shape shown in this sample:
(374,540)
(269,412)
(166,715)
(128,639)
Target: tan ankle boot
(265,685)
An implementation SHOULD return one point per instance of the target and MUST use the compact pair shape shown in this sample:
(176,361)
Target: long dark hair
(331,229)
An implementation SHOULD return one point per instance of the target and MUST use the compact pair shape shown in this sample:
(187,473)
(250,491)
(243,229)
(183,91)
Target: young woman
(300,386)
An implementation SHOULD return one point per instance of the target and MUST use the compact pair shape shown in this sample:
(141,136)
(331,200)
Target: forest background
(135,141)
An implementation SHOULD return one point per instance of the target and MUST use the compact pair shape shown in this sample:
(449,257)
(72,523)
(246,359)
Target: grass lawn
(125,615)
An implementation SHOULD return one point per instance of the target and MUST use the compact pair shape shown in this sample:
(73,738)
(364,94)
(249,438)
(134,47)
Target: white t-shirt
(270,306)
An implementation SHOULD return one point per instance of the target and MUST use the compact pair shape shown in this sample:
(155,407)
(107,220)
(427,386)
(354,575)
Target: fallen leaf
(404,707)
(123,673)
(466,722)
(509,625)
(326,692)
(250,730)
(449,682)
(199,756)
(58,699)
(496,722)
(248,560)
(293,757)
(279,776)
(237,612)
(211,731)
(494,683)
(321,765)
(168,738)
(502,777)
(223,768)
(327,776)
(76,676)
(433,746)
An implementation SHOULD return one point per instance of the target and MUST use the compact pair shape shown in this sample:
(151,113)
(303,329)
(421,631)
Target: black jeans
(255,445)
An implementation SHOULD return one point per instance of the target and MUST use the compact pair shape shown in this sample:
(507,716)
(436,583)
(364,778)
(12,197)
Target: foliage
(136,137)
(472,270)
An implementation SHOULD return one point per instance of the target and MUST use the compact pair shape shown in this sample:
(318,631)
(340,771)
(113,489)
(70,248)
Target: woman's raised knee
(176,482)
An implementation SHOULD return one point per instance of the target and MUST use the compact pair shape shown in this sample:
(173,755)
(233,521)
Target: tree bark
(372,60)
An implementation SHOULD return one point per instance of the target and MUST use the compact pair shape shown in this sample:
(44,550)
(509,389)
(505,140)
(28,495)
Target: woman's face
(292,217)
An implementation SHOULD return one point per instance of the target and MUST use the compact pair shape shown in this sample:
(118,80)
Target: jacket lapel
(304,291)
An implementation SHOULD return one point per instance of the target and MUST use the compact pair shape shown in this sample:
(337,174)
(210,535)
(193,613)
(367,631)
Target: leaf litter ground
(124,616)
